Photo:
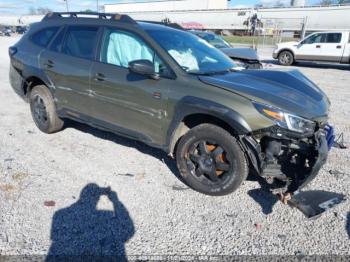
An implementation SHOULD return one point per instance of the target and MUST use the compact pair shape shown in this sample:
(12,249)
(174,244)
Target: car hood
(293,43)
(242,53)
(290,91)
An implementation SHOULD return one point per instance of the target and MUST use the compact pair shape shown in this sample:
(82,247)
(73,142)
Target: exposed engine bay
(288,162)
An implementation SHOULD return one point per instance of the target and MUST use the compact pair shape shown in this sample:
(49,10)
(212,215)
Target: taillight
(12,50)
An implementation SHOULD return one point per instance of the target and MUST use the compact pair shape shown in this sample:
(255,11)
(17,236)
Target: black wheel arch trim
(29,73)
(190,105)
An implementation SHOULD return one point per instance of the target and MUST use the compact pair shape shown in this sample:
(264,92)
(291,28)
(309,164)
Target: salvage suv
(172,90)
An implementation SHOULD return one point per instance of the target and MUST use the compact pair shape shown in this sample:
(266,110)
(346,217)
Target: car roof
(327,32)
(81,18)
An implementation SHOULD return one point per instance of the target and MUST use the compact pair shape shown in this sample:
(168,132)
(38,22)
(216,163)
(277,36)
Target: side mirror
(143,67)
(301,43)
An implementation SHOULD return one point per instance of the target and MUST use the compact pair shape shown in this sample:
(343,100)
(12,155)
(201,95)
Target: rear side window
(57,43)
(43,37)
(81,42)
(333,37)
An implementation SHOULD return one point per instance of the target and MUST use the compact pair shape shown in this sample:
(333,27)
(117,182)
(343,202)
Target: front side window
(43,37)
(192,53)
(315,39)
(120,48)
(81,42)
(334,38)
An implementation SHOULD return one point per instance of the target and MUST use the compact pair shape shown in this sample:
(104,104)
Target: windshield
(192,53)
(215,40)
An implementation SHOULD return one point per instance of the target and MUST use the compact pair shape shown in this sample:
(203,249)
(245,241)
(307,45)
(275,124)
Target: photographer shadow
(81,232)
(262,195)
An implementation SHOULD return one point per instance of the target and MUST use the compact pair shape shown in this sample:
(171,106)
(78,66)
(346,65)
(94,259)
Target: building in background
(297,3)
(288,19)
(175,5)
(215,15)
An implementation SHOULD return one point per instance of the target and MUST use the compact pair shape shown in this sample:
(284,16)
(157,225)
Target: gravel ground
(51,188)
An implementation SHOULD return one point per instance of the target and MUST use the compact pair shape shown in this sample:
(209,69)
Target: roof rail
(169,24)
(115,17)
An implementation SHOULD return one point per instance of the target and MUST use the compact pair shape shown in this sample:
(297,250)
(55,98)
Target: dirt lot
(52,201)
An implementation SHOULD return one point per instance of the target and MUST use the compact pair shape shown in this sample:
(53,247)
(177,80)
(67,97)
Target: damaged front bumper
(287,163)
(320,153)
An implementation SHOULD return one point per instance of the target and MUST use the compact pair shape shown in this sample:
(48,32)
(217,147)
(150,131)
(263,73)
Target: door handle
(49,64)
(318,46)
(339,46)
(99,77)
(157,95)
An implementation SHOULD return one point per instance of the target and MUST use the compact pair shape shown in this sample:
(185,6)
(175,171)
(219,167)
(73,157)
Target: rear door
(311,48)
(67,62)
(130,103)
(333,47)
(346,52)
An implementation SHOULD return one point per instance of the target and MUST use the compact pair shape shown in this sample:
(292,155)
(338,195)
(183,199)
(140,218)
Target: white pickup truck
(321,46)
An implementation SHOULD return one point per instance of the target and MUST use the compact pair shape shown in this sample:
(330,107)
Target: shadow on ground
(263,195)
(347,226)
(311,65)
(143,148)
(82,231)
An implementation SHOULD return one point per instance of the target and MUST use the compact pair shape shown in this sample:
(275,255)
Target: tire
(43,110)
(209,147)
(286,58)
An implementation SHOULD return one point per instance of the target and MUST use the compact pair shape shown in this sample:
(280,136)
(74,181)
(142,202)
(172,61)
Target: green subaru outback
(172,90)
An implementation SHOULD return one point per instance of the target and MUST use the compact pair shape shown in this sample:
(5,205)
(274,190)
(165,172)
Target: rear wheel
(43,110)
(286,58)
(211,161)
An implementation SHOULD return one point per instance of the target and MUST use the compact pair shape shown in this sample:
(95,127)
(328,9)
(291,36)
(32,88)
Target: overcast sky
(22,6)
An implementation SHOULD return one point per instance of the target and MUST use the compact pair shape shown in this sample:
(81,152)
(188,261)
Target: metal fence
(271,31)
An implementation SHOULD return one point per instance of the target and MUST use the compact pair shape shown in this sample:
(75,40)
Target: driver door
(130,103)
(311,47)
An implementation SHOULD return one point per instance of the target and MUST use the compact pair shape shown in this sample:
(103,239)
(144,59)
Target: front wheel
(211,161)
(286,58)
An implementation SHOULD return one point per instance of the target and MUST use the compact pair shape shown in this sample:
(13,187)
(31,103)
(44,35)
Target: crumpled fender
(190,105)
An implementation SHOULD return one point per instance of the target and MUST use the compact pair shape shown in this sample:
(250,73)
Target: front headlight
(287,120)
